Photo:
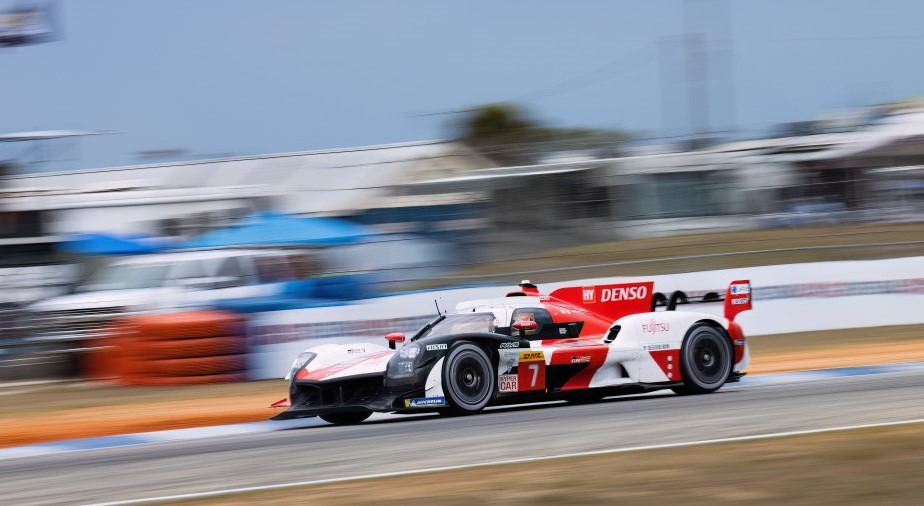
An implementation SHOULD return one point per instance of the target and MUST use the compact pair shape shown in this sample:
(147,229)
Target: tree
(507,134)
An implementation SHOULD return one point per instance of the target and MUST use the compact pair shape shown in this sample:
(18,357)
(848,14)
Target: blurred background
(251,156)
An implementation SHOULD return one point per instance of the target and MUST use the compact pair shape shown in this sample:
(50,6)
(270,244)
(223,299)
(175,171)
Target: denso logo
(623,293)
(654,327)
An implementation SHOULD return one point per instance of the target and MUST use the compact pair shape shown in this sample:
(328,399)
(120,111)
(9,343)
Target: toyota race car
(578,343)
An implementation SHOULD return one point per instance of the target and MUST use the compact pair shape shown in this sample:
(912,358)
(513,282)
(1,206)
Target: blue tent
(276,229)
(110,244)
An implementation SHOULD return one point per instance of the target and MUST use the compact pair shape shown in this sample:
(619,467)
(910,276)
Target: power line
(630,62)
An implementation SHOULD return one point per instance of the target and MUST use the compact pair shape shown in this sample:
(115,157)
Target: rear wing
(736,299)
(611,301)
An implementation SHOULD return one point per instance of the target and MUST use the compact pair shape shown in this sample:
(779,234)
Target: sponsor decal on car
(623,293)
(532,356)
(659,346)
(507,383)
(583,359)
(738,302)
(740,289)
(653,327)
(434,347)
(424,402)
(531,371)
(509,345)
(588,294)
(351,351)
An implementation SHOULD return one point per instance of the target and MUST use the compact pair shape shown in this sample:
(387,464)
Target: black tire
(468,379)
(349,418)
(705,360)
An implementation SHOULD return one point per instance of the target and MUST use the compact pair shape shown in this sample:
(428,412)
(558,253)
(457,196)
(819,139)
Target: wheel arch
(716,325)
(690,385)
(731,340)
(492,356)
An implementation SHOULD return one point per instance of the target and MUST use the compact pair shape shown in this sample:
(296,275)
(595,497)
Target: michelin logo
(425,402)
(434,347)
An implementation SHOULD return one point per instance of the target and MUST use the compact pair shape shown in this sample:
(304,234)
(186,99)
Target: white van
(162,283)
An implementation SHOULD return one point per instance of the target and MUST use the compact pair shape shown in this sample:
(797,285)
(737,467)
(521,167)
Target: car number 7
(534,367)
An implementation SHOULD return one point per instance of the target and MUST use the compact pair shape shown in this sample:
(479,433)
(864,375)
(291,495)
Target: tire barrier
(190,348)
(169,381)
(185,348)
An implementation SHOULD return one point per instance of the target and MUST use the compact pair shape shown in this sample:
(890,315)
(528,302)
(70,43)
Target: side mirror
(524,326)
(394,338)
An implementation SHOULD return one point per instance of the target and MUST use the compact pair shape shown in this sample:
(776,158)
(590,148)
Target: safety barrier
(209,346)
(787,298)
(190,348)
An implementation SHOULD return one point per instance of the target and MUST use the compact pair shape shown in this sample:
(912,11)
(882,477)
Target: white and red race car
(577,343)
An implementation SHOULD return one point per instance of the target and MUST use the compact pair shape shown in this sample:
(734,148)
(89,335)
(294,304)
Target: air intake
(612,335)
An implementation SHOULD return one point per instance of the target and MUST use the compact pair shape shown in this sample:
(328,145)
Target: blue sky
(246,77)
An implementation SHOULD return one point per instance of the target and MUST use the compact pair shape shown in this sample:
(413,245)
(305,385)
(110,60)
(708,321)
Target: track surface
(403,443)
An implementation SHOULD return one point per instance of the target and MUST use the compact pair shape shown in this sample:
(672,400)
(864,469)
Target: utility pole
(697,74)
(665,46)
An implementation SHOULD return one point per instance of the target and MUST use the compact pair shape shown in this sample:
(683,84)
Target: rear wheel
(705,360)
(468,379)
(349,418)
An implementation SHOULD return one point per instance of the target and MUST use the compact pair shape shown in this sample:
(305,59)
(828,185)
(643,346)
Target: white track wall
(787,298)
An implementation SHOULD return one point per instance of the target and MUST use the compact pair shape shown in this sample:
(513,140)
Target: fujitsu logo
(654,327)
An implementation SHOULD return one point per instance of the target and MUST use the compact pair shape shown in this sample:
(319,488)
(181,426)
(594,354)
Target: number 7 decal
(531,371)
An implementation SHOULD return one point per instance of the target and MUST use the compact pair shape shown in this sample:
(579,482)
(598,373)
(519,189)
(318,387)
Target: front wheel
(468,379)
(705,360)
(349,418)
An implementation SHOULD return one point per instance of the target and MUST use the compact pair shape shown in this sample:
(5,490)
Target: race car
(579,343)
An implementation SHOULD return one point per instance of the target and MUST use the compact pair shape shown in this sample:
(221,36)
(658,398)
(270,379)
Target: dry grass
(867,466)
(836,348)
(53,412)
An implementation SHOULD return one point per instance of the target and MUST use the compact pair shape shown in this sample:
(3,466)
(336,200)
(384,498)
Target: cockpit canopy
(492,322)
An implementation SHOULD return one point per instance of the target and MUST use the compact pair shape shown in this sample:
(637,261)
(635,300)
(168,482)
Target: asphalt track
(395,443)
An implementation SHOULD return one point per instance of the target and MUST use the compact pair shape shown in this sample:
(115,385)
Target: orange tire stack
(191,348)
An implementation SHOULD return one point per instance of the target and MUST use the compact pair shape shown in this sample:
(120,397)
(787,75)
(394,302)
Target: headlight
(409,351)
(404,363)
(300,362)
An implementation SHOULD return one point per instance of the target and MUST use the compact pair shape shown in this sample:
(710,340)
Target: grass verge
(863,466)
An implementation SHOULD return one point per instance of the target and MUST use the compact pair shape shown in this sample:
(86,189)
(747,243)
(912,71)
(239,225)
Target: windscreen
(462,323)
(125,277)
